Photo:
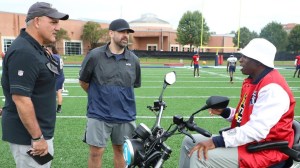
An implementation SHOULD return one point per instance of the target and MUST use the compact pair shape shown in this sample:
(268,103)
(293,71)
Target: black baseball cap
(120,25)
(44,9)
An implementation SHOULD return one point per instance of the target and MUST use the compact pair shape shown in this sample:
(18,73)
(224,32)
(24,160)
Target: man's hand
(39,147)
(215,111)
(203,146)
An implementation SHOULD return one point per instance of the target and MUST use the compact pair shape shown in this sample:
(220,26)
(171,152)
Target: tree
(62,34)
(294,40)
(104,36)
(91,33)
(275,33)
(245,37)
(189,29)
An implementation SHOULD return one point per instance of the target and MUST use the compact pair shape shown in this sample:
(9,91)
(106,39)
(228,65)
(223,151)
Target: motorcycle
(147,147)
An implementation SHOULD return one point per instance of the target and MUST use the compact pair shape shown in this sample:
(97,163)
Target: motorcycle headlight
(142,131)
(130,148)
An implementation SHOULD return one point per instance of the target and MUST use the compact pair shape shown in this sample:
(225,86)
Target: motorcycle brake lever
(150,108)
(187,134)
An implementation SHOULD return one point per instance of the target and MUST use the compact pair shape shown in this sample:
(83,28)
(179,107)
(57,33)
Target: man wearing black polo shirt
(109,75)
(28,83)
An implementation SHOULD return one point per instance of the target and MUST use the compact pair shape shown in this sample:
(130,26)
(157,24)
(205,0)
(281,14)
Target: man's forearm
(27,115)
(84,85)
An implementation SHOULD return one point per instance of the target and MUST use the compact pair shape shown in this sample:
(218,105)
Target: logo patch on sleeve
(231,132)
(20,72)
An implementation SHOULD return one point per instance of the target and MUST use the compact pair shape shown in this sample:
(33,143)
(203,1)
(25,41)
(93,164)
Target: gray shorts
(218,157)
(98,132)
(23,160)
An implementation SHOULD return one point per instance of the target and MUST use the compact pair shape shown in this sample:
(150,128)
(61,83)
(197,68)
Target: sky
(221,16)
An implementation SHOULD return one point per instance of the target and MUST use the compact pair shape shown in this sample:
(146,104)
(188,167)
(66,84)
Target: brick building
(151,33)
(288,27)
(223,41)
(14,22)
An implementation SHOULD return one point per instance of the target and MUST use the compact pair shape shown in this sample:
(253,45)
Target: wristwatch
(38,139)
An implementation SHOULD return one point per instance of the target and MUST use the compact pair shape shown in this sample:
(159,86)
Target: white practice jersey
(232,61)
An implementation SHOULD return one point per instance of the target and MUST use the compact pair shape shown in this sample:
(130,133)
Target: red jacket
(280,131)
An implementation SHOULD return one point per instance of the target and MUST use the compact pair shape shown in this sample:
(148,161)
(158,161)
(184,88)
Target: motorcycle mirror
(215,102)
(170,78)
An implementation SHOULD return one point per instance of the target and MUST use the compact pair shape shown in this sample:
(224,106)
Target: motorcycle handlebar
(202,131)
(193,127)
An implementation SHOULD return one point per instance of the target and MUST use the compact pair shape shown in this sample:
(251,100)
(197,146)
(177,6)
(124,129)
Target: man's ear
(110,32)
(36,22)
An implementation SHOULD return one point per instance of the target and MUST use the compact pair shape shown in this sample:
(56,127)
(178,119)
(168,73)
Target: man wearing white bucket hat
(265,112)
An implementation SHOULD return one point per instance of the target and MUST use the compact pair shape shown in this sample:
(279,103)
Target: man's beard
(122,45)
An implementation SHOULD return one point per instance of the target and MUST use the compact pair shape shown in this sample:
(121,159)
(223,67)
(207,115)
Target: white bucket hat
(261,50)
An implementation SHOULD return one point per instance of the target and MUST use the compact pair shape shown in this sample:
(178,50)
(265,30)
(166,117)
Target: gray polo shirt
(112,79)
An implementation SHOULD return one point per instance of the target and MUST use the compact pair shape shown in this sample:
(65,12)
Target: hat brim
(122,29)
(58,15)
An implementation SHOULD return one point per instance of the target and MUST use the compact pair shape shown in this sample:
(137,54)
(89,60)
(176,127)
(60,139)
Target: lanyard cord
(50,56)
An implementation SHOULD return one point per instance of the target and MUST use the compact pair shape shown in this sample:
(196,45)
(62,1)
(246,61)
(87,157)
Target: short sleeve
(87,68)
(138,78)
(23,71)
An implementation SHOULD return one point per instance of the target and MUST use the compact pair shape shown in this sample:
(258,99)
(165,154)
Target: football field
(184,97)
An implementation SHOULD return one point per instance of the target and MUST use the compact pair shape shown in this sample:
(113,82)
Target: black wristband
(226,113)
(218,141)
(38,139)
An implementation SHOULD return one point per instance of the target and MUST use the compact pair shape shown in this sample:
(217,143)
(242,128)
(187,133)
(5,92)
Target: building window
(151,47)
(6,44)
(174,48)
(73,48)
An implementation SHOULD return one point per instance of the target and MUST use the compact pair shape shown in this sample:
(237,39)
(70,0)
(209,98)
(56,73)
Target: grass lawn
(184,97)
(158,60)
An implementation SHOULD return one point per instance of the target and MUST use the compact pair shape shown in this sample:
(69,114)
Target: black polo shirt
(112,79)
(25,73)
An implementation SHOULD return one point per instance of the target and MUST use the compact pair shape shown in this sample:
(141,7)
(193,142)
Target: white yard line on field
(151,97)
(153,117)
(220,74)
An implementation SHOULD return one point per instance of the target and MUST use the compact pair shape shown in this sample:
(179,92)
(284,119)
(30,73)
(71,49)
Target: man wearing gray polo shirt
(109,75)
